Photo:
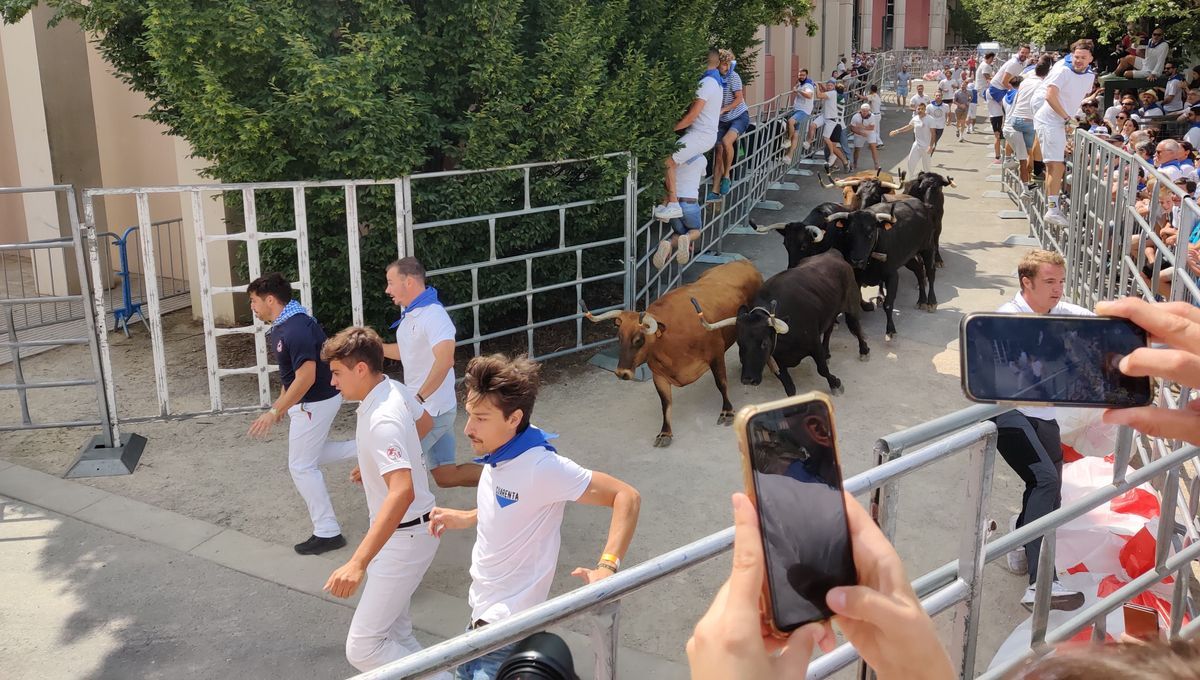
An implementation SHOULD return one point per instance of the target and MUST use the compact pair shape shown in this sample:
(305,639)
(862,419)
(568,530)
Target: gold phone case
(740,424)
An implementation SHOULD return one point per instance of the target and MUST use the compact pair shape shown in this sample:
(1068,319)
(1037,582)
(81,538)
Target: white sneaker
(661,255)
(1061,597)
(807,145)
(1055,216)
(1015,560)
(670,211)
(1012,163)
(684,251)
(787,144)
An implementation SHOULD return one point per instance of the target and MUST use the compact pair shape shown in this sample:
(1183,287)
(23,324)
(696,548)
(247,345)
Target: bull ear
(617,321)
(662,328)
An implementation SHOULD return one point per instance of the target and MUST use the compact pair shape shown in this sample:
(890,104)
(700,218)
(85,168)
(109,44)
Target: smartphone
(1050,359)
(1141,622)
(792,475)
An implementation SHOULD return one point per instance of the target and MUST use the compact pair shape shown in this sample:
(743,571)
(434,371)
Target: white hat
(865,107)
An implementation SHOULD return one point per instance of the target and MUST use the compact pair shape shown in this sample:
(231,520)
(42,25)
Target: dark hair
(1015,81)
(409,266)
(990,55)
(1082,44)
(272,284)
(1043,66)
(1177,660)
(354,345)
(510,384)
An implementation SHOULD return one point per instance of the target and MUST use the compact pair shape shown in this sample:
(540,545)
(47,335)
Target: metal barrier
(171,265)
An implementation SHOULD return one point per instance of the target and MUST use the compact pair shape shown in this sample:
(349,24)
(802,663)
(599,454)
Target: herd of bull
(880,227)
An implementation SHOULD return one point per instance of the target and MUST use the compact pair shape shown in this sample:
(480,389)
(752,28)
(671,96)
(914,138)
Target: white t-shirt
(712,93)
(1174,88)
(803,103)
(1193,136)
(876,103)
(1155,59)
(1019,306)
(916,99)
(983,75)
(418,332)
(688,177)
(921,133)
(517,537)
(830,107)
(1023,106)
(1013,67)
(936,116)
(858,120)
(386,438)
(1110,114)
(947,88)
(1072,88)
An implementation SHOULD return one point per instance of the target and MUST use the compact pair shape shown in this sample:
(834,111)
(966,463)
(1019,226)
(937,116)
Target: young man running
(522,494)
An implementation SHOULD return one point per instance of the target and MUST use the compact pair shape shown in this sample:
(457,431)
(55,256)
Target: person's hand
(1176,324)
(261,426)
(882,616)
(441,519)
(591,575)
(892,133)
(345,579)
(356,475)
(730,641)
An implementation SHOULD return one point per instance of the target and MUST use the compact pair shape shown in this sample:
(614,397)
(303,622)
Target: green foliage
(1058,24)
(270,90)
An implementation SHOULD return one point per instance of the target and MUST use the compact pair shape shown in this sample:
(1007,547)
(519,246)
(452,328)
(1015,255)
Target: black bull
(792,317)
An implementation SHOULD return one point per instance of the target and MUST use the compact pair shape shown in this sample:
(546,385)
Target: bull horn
(890,185)
(778,226)
(821,178)
(885,217)
(852,182)
(779,325)
(816,232)
(837,216)
(597,319)
(950,180)
(712,326)
(649,324)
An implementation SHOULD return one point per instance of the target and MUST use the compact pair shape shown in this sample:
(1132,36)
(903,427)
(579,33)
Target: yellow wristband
(609,557)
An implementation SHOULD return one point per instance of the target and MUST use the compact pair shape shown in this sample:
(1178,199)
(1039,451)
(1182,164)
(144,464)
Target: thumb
(861,603)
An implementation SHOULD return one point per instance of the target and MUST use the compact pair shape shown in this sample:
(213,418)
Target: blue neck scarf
(531,438)
(427,297)
(715,74)
(292,308)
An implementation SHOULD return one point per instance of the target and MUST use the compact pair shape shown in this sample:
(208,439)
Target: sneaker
(880,145)
(684,253)
(787,144)
(995,163)
(670,211)
(710,196)
(1061,598)
(315,545)
(1012,163)
(661,255)
(726,185)
(1015,560)
(787,159)
(807,144)
(1055,216)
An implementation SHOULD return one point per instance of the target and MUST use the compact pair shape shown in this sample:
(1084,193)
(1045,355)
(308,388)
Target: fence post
(630,231)
(604,640)
(971,548)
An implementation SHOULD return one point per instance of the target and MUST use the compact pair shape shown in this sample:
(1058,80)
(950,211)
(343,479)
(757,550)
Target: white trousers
(918,155)
(381,630)
(309,448)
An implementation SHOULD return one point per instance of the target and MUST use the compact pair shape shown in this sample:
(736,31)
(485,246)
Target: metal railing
(70,252)
(126,287)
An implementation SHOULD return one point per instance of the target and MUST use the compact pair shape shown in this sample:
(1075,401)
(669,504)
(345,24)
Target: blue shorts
(902,91)
(438,445)
(738,125)
(692,218)
(800,117)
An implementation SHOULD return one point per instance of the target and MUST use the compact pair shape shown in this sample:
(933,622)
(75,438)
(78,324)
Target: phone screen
(1052,359)
(801,510)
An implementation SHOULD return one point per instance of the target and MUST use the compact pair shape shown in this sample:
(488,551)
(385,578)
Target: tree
(303,89)
(1059,24)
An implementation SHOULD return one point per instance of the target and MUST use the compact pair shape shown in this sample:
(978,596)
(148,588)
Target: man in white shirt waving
(1028,436)
(519,506)
(1064,90)
(398,548)
(425,346)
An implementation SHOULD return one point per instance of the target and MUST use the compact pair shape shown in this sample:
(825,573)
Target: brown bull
(672,342)
(880,183)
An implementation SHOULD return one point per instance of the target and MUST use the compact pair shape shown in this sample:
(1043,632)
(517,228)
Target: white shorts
(688,177)
(1140,74)
(693,144)
(1017,141)
(971,112)
(995,108)
(830,126)
(1053,141)
(862,140)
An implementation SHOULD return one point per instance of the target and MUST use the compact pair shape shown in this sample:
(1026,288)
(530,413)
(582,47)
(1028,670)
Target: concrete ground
(206,470)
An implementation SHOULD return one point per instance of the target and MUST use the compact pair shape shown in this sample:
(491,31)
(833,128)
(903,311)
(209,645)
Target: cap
(865,107)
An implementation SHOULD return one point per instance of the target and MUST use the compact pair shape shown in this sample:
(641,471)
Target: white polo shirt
(983,76)
(1013,67)
(1019,306)
(1072,88)
(1023,106)
(706,123)
(386,437)
(802,103)
(517,538)
(1174,88)
(946,88)
(418,332)
(917,99)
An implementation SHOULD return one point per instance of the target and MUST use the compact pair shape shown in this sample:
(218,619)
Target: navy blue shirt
(296,341)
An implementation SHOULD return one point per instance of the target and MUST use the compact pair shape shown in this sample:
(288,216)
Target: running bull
(792,318)
(678,350)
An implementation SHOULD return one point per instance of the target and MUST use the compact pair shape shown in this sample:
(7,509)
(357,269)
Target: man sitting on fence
(804,97)
(308,399)
(524,489)
(685,231)
(700,122)
(1028,437)
(734,121)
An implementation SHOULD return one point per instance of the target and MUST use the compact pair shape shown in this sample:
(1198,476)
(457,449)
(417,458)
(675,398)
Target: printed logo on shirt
(279,346)
(394,454)
(505,498)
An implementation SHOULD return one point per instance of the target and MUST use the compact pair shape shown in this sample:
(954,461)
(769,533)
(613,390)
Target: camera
(541,656)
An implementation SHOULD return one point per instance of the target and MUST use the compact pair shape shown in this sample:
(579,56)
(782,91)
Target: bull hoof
(920,306)
(662,441)
(931,308)
(868,306)
(839,390)
(879,300)
(940,264)
(887,337)
(864,357)
(726,418)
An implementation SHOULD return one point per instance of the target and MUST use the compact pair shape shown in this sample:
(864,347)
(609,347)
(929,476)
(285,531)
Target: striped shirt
(733,85)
